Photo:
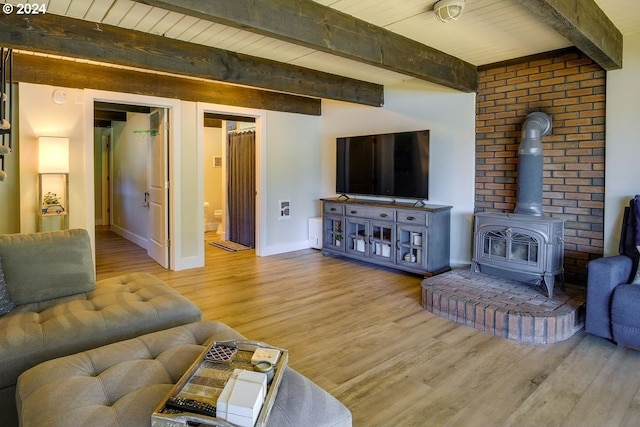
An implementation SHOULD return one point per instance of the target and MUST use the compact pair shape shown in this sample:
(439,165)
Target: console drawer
(371,212)
(333,208)
(412,217)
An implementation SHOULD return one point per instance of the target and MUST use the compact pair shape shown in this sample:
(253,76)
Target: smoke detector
(448,10)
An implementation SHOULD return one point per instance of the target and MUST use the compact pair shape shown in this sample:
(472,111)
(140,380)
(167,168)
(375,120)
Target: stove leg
(475,267)
(548,280)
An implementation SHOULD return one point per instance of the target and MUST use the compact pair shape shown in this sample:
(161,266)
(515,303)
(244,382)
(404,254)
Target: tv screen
(390,165)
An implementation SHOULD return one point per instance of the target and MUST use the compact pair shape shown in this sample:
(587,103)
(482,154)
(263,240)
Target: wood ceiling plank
(78,9)
(73,74)
(117,12)
(328,30)
(584,24)
(150,20)
(181,26)
(97,10)
(135,15)
(58,35)
(195,30)
(57,6)
(166,23)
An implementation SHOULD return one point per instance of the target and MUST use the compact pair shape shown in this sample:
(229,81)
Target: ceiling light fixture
(448,10)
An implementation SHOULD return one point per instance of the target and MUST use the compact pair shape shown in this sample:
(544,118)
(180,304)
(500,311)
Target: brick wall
(570,88)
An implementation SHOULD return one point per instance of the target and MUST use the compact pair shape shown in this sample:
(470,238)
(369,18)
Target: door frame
(106,136)
(261,166)
(173,106)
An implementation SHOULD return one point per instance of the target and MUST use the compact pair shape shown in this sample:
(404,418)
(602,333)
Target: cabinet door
(357,237)
(412,244)
(382,238)
(333,232)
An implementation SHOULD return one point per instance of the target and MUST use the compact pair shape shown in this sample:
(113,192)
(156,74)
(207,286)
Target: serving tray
(205,379)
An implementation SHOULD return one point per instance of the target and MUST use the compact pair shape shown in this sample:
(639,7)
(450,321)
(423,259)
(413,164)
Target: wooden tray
(205,380)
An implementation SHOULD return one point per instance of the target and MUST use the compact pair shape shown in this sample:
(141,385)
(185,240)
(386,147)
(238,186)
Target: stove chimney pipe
(535,126)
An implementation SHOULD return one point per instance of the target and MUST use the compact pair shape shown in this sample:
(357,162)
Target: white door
(158,192)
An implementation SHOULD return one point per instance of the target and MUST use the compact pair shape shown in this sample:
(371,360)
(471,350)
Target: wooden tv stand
(403,236)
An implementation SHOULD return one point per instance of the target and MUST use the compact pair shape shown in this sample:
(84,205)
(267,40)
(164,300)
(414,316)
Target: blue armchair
(613,303)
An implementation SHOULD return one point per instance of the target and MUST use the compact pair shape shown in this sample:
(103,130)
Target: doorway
(241,185)
(131,172)
(248,118)
(229,178)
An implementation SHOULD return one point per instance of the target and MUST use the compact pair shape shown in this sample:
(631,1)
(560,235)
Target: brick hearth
(505,308)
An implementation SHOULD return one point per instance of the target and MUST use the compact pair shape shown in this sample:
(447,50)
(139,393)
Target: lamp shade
(53,155)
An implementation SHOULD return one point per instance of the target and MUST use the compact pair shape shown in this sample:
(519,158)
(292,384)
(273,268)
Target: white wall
(294,172)
(413,105)
(186,168)
(212,175)
(9,188)
(40,116)
(622,174)
(130,218)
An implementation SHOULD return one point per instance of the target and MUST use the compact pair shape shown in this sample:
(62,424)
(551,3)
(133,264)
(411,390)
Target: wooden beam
(585,25)
(109,116)
(59,72)
(120,108)
(58,35)
(212,123)
(322,28)
(228,117)
(101,123)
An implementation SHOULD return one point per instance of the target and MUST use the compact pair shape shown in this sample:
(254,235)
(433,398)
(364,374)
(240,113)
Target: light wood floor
(360,333)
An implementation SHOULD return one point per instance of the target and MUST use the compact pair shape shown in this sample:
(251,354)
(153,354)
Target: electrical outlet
(285,209)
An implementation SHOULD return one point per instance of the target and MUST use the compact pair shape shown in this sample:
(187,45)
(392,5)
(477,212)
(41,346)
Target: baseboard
(132,237)
(288,247)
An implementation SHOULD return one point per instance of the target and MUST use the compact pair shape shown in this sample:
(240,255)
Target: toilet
(217,219)
(211,224)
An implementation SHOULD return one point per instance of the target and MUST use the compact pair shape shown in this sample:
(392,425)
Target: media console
(403,236)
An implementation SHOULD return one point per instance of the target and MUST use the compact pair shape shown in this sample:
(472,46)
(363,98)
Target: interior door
(158,192)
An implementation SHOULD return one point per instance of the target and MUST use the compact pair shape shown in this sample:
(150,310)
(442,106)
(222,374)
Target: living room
(297,163)
(298,158)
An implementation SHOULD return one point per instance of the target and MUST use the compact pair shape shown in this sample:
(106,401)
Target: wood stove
(526,245)
(520,247)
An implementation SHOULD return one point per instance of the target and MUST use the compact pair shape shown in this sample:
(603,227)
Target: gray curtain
(241,183)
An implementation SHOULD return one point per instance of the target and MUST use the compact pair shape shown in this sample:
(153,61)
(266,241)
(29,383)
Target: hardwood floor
(359,332)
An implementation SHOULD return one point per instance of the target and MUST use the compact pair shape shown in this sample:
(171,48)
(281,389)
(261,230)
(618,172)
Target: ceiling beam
(585,25)
(109,116)
(72,74)
(58,35)
(322,28)
(120,108)
(229,117)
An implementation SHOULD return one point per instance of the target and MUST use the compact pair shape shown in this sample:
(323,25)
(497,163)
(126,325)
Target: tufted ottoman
(122,383)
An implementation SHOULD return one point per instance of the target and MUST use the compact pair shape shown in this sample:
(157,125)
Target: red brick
(552,81)
(570,88)
(514,332)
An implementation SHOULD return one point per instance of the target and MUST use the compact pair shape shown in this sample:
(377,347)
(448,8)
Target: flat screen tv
(389,165)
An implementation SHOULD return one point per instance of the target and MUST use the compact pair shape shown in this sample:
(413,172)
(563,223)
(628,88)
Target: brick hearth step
(505,308)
